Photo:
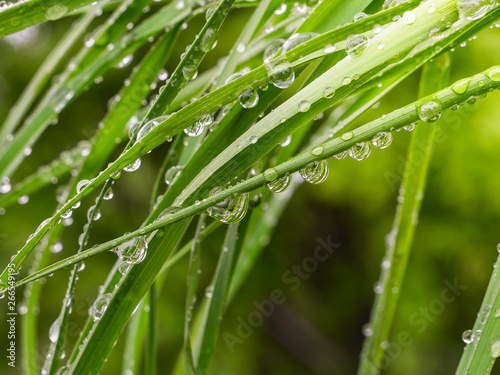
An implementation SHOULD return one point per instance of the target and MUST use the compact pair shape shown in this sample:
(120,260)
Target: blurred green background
(318,330)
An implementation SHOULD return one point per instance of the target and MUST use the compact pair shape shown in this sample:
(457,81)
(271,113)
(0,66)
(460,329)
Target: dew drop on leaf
(281,184)
(430,111)
(360,151)
(315,172)
(356,44)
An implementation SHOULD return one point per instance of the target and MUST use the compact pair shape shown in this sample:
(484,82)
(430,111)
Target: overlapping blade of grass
(217,295)
(229,92)
(434,77)
(192,283)
(42,76)
(33,12)
(479,84)
(483,341)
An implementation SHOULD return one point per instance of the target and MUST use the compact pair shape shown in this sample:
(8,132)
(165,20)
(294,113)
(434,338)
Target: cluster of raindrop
(230,210)
(202,122)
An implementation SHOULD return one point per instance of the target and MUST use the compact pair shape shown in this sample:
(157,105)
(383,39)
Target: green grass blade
(482,351)
(150,360)
(207,336)
(434,77)
(33,12)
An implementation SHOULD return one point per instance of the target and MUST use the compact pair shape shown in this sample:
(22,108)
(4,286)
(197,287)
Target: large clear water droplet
(54,330)
(231,210)
(360,151)
(281,184)
(460,87)
(248,98)
(281,73)
(315,172)
(430,111)
(382,140)
(208,40)
(81,185)
(194,130)
(273,50)
(270,174)
(468,336)
(356,44)
(100,305)
(172,174)
(132,167)
(133,251)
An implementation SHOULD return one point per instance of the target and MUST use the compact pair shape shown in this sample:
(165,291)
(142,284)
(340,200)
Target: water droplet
(81,185)
(231,210)
(367,331)
(494,73)
(341,155)
(471,100)
(208,40)
(356,44)
(254,139)
(286,141)
(194,130)
(473,9)
(54,330)
(56,247)
(316,172)
(190,72)
(281,73)
(460,87)
(468,336)
(100,305)
(360,151)
(55,12)
(248,98)
(347,136)
(304,106)
(328,92)
(90,214)
(209,291)
(148,126)
(270,174)
(172,174)
(132,167)
(409,17)
(382,140)
(430,111)
(495,347)
(409,127)
(281,184)
(133,251)
(169,211)
(108,195)
(296,40)
(360,16)
(125,61)
(272,50)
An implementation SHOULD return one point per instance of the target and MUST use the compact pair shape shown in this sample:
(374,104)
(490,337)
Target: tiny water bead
(430,111)
(281,184)
(382,140)
(133,251)
(54,330)
(81,185)
(132,167)
(316,172)
(281,73)
(317,151)
(172,173)
(328,92)
(248,98)
(356,44)
(347,136)
(468,336)
(360,151)
(231,210)
(100,305)
(473,9)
